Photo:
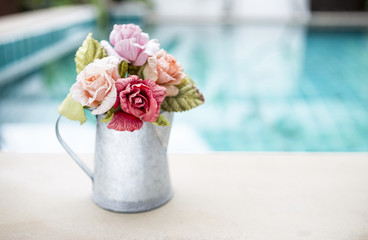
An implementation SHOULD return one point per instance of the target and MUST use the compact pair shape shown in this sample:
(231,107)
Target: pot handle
(70,151)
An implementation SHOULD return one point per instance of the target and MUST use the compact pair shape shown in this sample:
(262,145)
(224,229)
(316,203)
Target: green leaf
(140,72)
(133,70)
(88,52)
(161,121)
(188,97)
(72,110)
(109,115)
(136,70)
(123,69)
(187,79)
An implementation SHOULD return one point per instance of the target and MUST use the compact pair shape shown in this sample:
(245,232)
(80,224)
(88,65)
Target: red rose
(139,100)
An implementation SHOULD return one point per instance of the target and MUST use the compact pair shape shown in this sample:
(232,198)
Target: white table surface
(265,196)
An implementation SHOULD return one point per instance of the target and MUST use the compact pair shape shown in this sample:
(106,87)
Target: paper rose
(95,86)
(165,70)
(139,100)
(132,44)
(129,80)
(110,50)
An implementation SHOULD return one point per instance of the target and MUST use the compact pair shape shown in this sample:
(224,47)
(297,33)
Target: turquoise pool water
(267,88)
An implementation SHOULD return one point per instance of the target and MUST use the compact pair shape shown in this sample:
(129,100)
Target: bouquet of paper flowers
(130,80)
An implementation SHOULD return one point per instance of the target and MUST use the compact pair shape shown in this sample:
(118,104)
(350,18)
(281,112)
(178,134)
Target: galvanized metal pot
(131,171)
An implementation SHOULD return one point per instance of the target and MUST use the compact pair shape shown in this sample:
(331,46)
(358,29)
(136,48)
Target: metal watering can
(131,171)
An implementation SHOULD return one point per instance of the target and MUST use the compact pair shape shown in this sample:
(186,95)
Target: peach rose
(95,86)
(165,71)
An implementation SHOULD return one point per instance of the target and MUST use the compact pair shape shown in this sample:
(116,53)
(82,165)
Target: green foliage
(123,69)
(108,116)
(161,121)
(72,110)
(88,52)
(188,97)
(136,70)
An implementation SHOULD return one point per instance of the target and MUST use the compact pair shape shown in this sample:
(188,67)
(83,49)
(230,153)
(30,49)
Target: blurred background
(277,75)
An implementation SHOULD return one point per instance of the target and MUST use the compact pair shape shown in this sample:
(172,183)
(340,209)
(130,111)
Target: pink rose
(165,70)
(140,100)
(95,86)
(132,44)
(110,50)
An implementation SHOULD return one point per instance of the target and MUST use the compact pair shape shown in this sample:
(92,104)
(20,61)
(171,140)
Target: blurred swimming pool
(267,88)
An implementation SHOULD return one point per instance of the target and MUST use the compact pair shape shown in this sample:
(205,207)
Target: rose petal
(121,85)
(165,78)
(160,53)
(110,50)
(141,59)
(114,35)
(130,31)
(143,112)
(150,69)
(128,107)
(155,100)
(78,93)
(150,49)
(128,49)
(159,92)
(171,90)
(179,77)
(107,103)
(152,112)
(125,122)
(99,94)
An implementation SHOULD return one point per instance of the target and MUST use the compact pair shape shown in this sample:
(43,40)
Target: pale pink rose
(165,70)
(132,44)
(95,86)
(110,50)
(139,100)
